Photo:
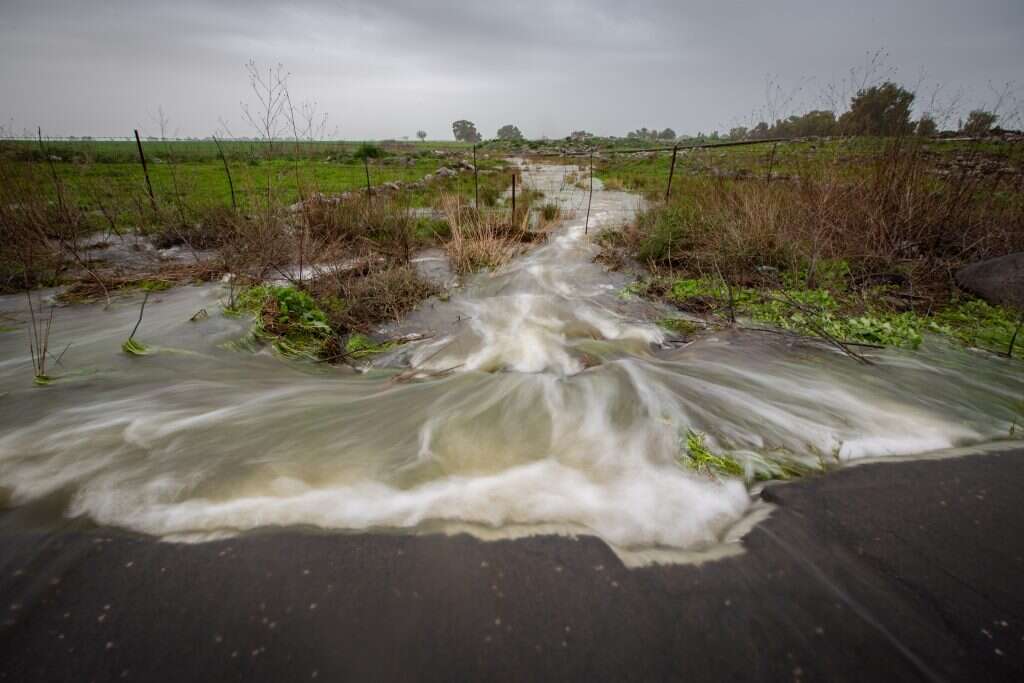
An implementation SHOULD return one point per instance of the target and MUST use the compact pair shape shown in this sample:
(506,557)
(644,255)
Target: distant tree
(762,131)
(647,134)
(509,132)
(979,123)
(368,150)
(879,110)
(465,131)
(421,134)
(738,133)
(926,126)
(667,134)
(813,123)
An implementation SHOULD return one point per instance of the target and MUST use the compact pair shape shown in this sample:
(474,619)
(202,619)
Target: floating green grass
(135,348)
(360,346)
(699,457)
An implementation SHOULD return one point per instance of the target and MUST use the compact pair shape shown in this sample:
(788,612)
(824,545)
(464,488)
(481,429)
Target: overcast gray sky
(385,68)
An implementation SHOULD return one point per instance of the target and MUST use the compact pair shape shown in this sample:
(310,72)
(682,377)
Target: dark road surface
(909,571)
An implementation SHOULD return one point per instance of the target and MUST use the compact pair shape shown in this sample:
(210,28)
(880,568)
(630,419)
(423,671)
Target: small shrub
(290,319)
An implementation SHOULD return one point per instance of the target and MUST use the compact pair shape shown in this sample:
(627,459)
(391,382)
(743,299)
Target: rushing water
(542,400)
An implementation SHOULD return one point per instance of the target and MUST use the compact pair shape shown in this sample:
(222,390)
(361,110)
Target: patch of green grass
(430,229)
(154,285)
(698,456)
(846,316)
(204,183)
(289,319)
(360,346)
(680,326)
(134,348)
(691,288)
(813,311)
(976,323)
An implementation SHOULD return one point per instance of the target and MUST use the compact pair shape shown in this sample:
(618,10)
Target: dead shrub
(483,239)
(358,298)
(895,220)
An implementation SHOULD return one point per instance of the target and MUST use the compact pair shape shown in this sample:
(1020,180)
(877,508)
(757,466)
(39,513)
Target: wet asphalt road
(909,571)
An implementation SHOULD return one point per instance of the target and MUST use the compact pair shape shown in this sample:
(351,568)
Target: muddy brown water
(544,399)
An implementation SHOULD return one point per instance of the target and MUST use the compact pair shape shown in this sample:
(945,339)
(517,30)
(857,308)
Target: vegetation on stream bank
(862,253)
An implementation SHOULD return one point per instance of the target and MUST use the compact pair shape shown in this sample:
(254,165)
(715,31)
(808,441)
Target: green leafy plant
(289,319)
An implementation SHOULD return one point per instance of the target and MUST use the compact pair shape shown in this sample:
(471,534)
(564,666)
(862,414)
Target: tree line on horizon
(885,109)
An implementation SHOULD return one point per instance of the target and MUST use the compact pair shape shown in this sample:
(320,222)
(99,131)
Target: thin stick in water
(142,309)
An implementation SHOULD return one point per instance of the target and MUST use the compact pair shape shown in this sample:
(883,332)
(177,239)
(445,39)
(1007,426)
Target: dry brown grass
(484,239)
(895,222)
(356,299)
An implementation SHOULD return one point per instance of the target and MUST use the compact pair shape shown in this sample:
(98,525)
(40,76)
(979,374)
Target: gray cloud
(387,68)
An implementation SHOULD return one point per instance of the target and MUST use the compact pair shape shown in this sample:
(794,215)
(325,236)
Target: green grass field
(852,157)
(108,174)
(126,151)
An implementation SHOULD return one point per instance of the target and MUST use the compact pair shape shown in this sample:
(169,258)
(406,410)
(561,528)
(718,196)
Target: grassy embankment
(851,241)
(346,263)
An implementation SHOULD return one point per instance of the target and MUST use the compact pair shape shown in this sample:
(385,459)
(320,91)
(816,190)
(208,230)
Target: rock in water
(997,281)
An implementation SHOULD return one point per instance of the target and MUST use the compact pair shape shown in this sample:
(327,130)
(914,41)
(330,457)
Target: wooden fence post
(771,162)
(586,225)
(476,181)
(145,171)
(671,172)
(369,194)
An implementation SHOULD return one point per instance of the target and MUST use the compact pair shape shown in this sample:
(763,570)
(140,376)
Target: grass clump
(779,465)
(550,211)
(359,346)
(681,326)
(354,301)
(134,348)
(290,320)
(976,323)
(698,456)
(483,239)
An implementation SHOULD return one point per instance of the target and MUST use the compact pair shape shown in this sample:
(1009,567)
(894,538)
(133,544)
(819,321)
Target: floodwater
(543,398)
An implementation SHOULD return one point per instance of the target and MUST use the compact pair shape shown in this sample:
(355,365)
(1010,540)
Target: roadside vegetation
(851,248)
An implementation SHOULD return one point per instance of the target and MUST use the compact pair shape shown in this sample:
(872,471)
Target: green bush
(669,230)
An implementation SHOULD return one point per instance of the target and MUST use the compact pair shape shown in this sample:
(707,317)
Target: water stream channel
(546,400)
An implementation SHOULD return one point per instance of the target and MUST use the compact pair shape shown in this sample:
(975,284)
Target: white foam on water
(562,412)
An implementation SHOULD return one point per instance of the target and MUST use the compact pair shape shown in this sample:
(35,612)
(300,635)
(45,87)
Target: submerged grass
(696,455)
(699,457)
(865,316)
